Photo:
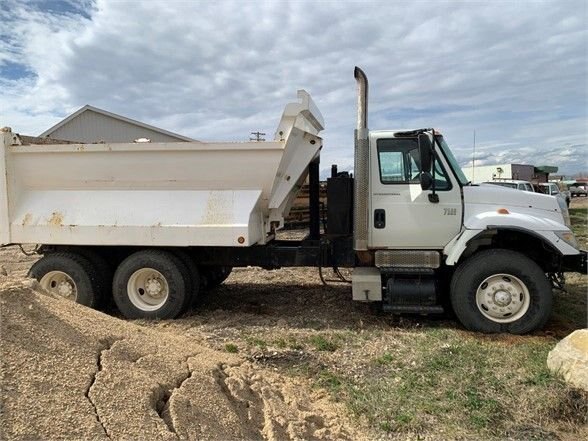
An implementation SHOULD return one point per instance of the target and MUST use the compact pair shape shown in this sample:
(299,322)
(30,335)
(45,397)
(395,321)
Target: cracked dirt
(69,372)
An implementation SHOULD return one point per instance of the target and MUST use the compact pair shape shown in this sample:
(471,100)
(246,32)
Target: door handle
(379,218)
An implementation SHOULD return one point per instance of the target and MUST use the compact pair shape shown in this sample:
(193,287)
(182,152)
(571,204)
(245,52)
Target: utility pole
(257,136)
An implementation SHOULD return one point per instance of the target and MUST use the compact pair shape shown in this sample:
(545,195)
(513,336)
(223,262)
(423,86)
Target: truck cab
(428,236)
(433,236)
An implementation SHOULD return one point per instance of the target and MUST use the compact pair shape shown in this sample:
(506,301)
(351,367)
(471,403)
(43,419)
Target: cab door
(401,214)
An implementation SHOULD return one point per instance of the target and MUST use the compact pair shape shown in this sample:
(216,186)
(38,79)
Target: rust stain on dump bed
(56,219)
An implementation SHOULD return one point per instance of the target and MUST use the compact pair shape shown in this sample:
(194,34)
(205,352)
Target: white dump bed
(160,194)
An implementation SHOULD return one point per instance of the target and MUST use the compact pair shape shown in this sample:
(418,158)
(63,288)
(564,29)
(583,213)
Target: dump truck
(153,224)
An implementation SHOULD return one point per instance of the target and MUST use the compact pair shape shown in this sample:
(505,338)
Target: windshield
(452,161)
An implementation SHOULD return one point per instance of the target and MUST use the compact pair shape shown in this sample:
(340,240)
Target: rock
(3,271)
(569,358)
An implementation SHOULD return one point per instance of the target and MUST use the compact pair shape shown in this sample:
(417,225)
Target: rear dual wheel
(71,276)
(154,284)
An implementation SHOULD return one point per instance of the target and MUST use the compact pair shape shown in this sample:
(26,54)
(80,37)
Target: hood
(497,195)
(532,211)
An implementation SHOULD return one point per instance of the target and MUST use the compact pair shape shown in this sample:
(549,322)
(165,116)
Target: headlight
(564,211)
(568,237)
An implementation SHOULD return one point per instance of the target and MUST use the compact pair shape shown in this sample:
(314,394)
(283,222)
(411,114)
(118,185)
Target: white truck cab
(499,249)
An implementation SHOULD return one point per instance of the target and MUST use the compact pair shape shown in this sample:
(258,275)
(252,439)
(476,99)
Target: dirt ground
(579,202)
(69,372)
(259,358)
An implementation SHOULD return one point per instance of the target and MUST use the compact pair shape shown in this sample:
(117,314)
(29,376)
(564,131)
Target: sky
(515,72)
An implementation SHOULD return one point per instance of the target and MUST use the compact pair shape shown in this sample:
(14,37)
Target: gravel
(69,372)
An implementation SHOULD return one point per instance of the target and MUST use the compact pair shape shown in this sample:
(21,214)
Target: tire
(192,276)
(150,284)
(69,275)
(501,291)
(213,276)
(206,277)
(102,269)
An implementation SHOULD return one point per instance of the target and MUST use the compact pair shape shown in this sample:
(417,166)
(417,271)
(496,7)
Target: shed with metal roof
(91,124)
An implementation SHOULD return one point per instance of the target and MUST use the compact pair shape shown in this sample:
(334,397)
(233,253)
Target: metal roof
(87,107)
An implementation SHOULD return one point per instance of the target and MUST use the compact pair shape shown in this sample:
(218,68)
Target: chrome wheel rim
(148,289)
(503,298)
(61,284)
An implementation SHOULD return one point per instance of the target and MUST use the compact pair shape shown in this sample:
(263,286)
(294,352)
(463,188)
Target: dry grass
(433,380)
(579,218)
(463,384)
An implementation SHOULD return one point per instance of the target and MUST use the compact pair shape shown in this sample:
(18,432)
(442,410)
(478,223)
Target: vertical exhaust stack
(361,169)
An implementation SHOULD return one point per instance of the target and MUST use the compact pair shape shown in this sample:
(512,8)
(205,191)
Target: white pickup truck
(552,189)
(152,224)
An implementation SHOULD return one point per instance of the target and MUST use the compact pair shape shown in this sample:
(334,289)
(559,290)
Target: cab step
(413,309)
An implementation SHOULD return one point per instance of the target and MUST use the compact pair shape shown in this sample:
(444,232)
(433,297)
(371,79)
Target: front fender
(455,248)
(530,225)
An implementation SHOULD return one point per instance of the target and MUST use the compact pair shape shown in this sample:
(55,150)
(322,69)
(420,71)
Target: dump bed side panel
(138,194)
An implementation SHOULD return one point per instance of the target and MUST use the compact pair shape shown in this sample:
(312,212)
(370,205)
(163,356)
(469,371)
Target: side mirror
(426,152)
(426,180)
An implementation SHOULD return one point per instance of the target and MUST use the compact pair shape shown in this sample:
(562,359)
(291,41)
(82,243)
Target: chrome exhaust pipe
(362,98)
(361,168)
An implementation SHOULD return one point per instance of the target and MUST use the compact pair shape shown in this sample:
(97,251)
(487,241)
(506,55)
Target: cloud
(514,72)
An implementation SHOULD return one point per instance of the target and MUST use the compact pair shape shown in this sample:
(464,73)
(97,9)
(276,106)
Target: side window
(391,167)
(521,187)
(399,163)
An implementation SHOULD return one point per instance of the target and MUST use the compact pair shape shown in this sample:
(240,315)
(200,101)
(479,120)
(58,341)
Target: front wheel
(501,291)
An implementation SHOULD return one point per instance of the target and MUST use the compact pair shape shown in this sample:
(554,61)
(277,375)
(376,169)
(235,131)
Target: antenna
(474,158)
(257,136)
